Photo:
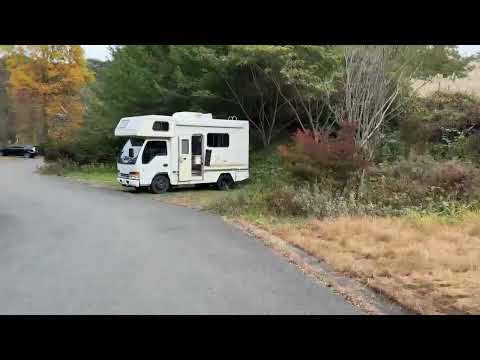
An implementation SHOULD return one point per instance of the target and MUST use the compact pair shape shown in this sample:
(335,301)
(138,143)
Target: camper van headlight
(134,175)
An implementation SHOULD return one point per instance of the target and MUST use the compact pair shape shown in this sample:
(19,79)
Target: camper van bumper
(128,182)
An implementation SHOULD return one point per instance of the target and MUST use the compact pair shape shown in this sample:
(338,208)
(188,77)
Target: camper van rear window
(218,140)
(160,126)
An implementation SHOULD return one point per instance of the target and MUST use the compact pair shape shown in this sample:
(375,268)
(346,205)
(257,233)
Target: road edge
(351,289)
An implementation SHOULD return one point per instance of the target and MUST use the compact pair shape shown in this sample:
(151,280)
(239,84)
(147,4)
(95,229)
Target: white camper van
(185,148)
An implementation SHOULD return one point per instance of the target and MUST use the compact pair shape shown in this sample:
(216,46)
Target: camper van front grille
(124,176)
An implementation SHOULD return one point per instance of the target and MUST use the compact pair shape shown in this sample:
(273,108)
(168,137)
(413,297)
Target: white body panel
(191,168)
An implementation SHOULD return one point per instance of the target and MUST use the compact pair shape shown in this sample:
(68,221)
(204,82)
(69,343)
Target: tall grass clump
(64,166)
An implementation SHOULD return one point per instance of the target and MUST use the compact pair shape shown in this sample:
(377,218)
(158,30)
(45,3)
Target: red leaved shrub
(315,155)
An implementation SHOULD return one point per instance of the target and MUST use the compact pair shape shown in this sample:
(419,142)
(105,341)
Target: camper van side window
(218,140)
(160,126)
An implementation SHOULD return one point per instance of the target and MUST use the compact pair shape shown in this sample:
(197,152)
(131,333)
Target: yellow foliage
(54,75)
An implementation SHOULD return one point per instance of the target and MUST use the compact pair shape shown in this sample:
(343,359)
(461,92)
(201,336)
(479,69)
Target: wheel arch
(226,174)
(162,174)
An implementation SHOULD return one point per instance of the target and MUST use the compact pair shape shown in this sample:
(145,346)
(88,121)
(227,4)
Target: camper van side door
(184,159)
(154,160)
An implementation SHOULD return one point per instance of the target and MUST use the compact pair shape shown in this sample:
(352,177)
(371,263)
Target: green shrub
(54,151)
(454,179)
(459,101)
(83,151)
(283,202)
(472,147)
(440,125)
(391,148)
(237,202)
(59,167)
(65,165)
(415,134)
(422,183)
(310,200)
(318,202)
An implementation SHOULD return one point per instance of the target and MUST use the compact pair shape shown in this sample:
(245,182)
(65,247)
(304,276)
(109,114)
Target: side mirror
(131,153)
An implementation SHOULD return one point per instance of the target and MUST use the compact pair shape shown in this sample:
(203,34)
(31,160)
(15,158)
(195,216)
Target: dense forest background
(51,96)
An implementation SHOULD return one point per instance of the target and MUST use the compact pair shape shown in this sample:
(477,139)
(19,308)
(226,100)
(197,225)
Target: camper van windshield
(130,151)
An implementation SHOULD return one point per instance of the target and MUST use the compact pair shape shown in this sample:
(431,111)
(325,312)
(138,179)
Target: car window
(152,149)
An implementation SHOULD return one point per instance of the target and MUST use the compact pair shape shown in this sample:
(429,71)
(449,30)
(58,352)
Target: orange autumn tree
(52,76)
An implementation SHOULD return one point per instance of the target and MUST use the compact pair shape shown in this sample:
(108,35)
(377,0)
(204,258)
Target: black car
(28,151)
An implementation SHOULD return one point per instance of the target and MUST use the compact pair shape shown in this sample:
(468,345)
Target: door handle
(165,165)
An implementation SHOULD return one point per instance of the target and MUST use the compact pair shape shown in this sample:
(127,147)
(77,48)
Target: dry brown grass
(469,84)
(429,266)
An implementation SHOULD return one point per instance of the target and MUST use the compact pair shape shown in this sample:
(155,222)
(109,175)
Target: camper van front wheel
(160,184)
(225,182)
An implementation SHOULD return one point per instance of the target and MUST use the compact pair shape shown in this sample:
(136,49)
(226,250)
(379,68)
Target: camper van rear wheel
(160,184)
(225,182)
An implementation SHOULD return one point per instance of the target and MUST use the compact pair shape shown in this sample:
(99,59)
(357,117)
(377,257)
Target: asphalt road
(69,248)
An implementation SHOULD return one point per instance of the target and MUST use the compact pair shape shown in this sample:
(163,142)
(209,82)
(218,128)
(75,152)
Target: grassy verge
(429,263)
(104,174)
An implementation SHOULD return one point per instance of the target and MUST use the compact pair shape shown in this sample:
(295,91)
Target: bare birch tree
(371,87)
